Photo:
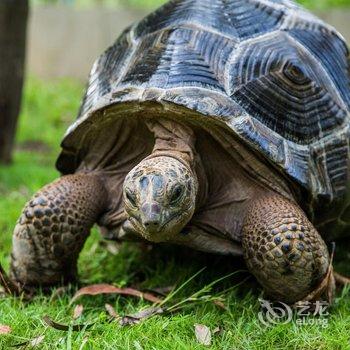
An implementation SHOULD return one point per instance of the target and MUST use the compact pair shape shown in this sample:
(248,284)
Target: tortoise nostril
(151,223)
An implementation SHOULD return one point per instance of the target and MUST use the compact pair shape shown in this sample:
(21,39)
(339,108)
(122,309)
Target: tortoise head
(160,196)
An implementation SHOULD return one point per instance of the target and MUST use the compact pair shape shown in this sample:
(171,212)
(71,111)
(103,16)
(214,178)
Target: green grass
(48,108)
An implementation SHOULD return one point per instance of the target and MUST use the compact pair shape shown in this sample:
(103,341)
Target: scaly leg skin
(284,251)
(52,230)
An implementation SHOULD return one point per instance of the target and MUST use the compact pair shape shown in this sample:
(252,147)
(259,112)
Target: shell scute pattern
(106,72)
(331,54)
(239,19)
(276,75)
(163,60)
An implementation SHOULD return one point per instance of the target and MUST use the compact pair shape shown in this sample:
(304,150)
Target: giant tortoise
(221,125)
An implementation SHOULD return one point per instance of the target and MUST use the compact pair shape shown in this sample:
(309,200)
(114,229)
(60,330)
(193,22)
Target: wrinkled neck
(173,140)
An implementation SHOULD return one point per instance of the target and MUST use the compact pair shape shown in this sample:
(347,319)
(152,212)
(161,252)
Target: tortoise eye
(131,198)
(176,195)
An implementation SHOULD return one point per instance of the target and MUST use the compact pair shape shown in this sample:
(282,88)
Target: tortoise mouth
(161,233)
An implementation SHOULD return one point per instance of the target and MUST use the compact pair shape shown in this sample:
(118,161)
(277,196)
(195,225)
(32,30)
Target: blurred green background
(145,4)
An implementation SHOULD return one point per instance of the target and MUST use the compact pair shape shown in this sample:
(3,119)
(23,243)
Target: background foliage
(147,4)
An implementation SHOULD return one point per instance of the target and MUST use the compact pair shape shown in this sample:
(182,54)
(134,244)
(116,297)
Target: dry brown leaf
(32,343)
(203,334)
(4,329)
(220,304)
(217,330)
(110,310)
(78,311)
(37,341)
(98,289)
(63,327)
(141,315)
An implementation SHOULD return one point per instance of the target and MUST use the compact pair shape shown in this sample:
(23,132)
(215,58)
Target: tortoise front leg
(283,249)
(53,227)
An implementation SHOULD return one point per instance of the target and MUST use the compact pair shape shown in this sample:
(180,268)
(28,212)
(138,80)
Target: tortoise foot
(52,230)
(284,251)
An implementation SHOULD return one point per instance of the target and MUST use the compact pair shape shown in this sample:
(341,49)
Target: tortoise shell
(268,71)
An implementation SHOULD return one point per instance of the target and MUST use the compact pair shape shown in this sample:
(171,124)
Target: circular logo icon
(274,313)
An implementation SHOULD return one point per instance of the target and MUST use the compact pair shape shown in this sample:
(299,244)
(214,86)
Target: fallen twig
(342,280)
(97,289)
(10,287)
(63,327)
